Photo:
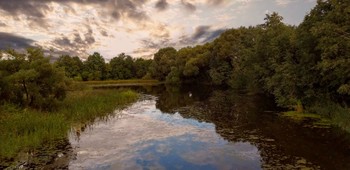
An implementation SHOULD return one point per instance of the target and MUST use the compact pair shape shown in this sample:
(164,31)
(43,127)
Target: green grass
(319,120)
(28,129)
(85,106)
(25,129)
(300,116)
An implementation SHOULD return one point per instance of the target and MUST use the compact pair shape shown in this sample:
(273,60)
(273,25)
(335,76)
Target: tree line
(95,68)
(306,65)
(29,79)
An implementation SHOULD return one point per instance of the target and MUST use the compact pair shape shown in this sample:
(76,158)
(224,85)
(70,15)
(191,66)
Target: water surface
(202,128)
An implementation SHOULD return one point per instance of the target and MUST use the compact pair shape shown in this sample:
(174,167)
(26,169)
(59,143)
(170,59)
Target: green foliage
(174,76)
(73,66)
(163,60)
(300,66)
(95,68)
(29,79)
(121,67)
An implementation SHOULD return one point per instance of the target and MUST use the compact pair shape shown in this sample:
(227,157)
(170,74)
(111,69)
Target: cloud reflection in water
(142,137)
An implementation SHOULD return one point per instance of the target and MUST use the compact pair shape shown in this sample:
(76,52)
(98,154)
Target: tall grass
(28,129)
(25,129)
(339,115)
(85,106)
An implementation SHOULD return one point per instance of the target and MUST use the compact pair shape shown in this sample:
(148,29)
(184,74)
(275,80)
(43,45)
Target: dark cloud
(200,31)
(8,40)
(35,11)
(202,34)
(104,33)
(129,8)
(188,6)
(152,44)
(2,24)
(28,7)
(213,35)
(215,2)
(75,44)
(162,5)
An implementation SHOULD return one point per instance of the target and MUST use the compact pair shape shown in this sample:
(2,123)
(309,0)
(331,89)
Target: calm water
(201,128)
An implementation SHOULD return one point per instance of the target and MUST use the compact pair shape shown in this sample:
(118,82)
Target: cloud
(283,2)
(104,33)
(202,34)
(129,9)
(74,44)
(9,40)
(36,11)
(215,2)
(162,5)
(188,6)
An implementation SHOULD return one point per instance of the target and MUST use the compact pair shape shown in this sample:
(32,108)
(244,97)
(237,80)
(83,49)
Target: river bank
(23,131)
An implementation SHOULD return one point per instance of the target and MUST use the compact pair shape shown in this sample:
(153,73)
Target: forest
(306,67)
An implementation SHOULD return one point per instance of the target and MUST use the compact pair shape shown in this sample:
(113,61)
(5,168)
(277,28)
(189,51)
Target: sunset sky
(135,27)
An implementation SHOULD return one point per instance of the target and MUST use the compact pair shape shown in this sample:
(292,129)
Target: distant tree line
(29,79)
(95,68)
(306,65)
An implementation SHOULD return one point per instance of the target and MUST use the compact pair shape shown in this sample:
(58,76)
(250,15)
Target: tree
(95,68)
(141,67)
(277,52)
(163,60)
(323,51)
(31,80)
(73,66)
(122,67)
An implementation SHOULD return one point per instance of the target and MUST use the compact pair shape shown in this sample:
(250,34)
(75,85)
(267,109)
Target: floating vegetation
(312,120)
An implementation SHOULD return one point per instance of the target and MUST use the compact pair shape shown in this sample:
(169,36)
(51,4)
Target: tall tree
(324,51)
(163,60)
(122,67)
(73,66)
(95,68)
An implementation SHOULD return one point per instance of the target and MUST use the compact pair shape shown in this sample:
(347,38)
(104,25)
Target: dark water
(202,128)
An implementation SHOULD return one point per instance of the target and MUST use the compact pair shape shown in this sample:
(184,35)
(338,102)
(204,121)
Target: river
(202,128)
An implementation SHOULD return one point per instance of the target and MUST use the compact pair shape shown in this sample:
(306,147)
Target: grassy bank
(25,129)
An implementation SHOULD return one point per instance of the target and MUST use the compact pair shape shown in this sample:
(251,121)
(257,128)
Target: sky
(135,27)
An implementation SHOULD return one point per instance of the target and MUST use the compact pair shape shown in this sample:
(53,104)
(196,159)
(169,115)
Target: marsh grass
(339,115)
(25,129)
(326,116)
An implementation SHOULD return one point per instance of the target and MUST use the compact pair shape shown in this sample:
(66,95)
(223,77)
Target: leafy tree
(141,67)
(276,48)
(73,66)
(95,68)
(323,42)
(122,67)
(174,76)
(163,60)
(31,80)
